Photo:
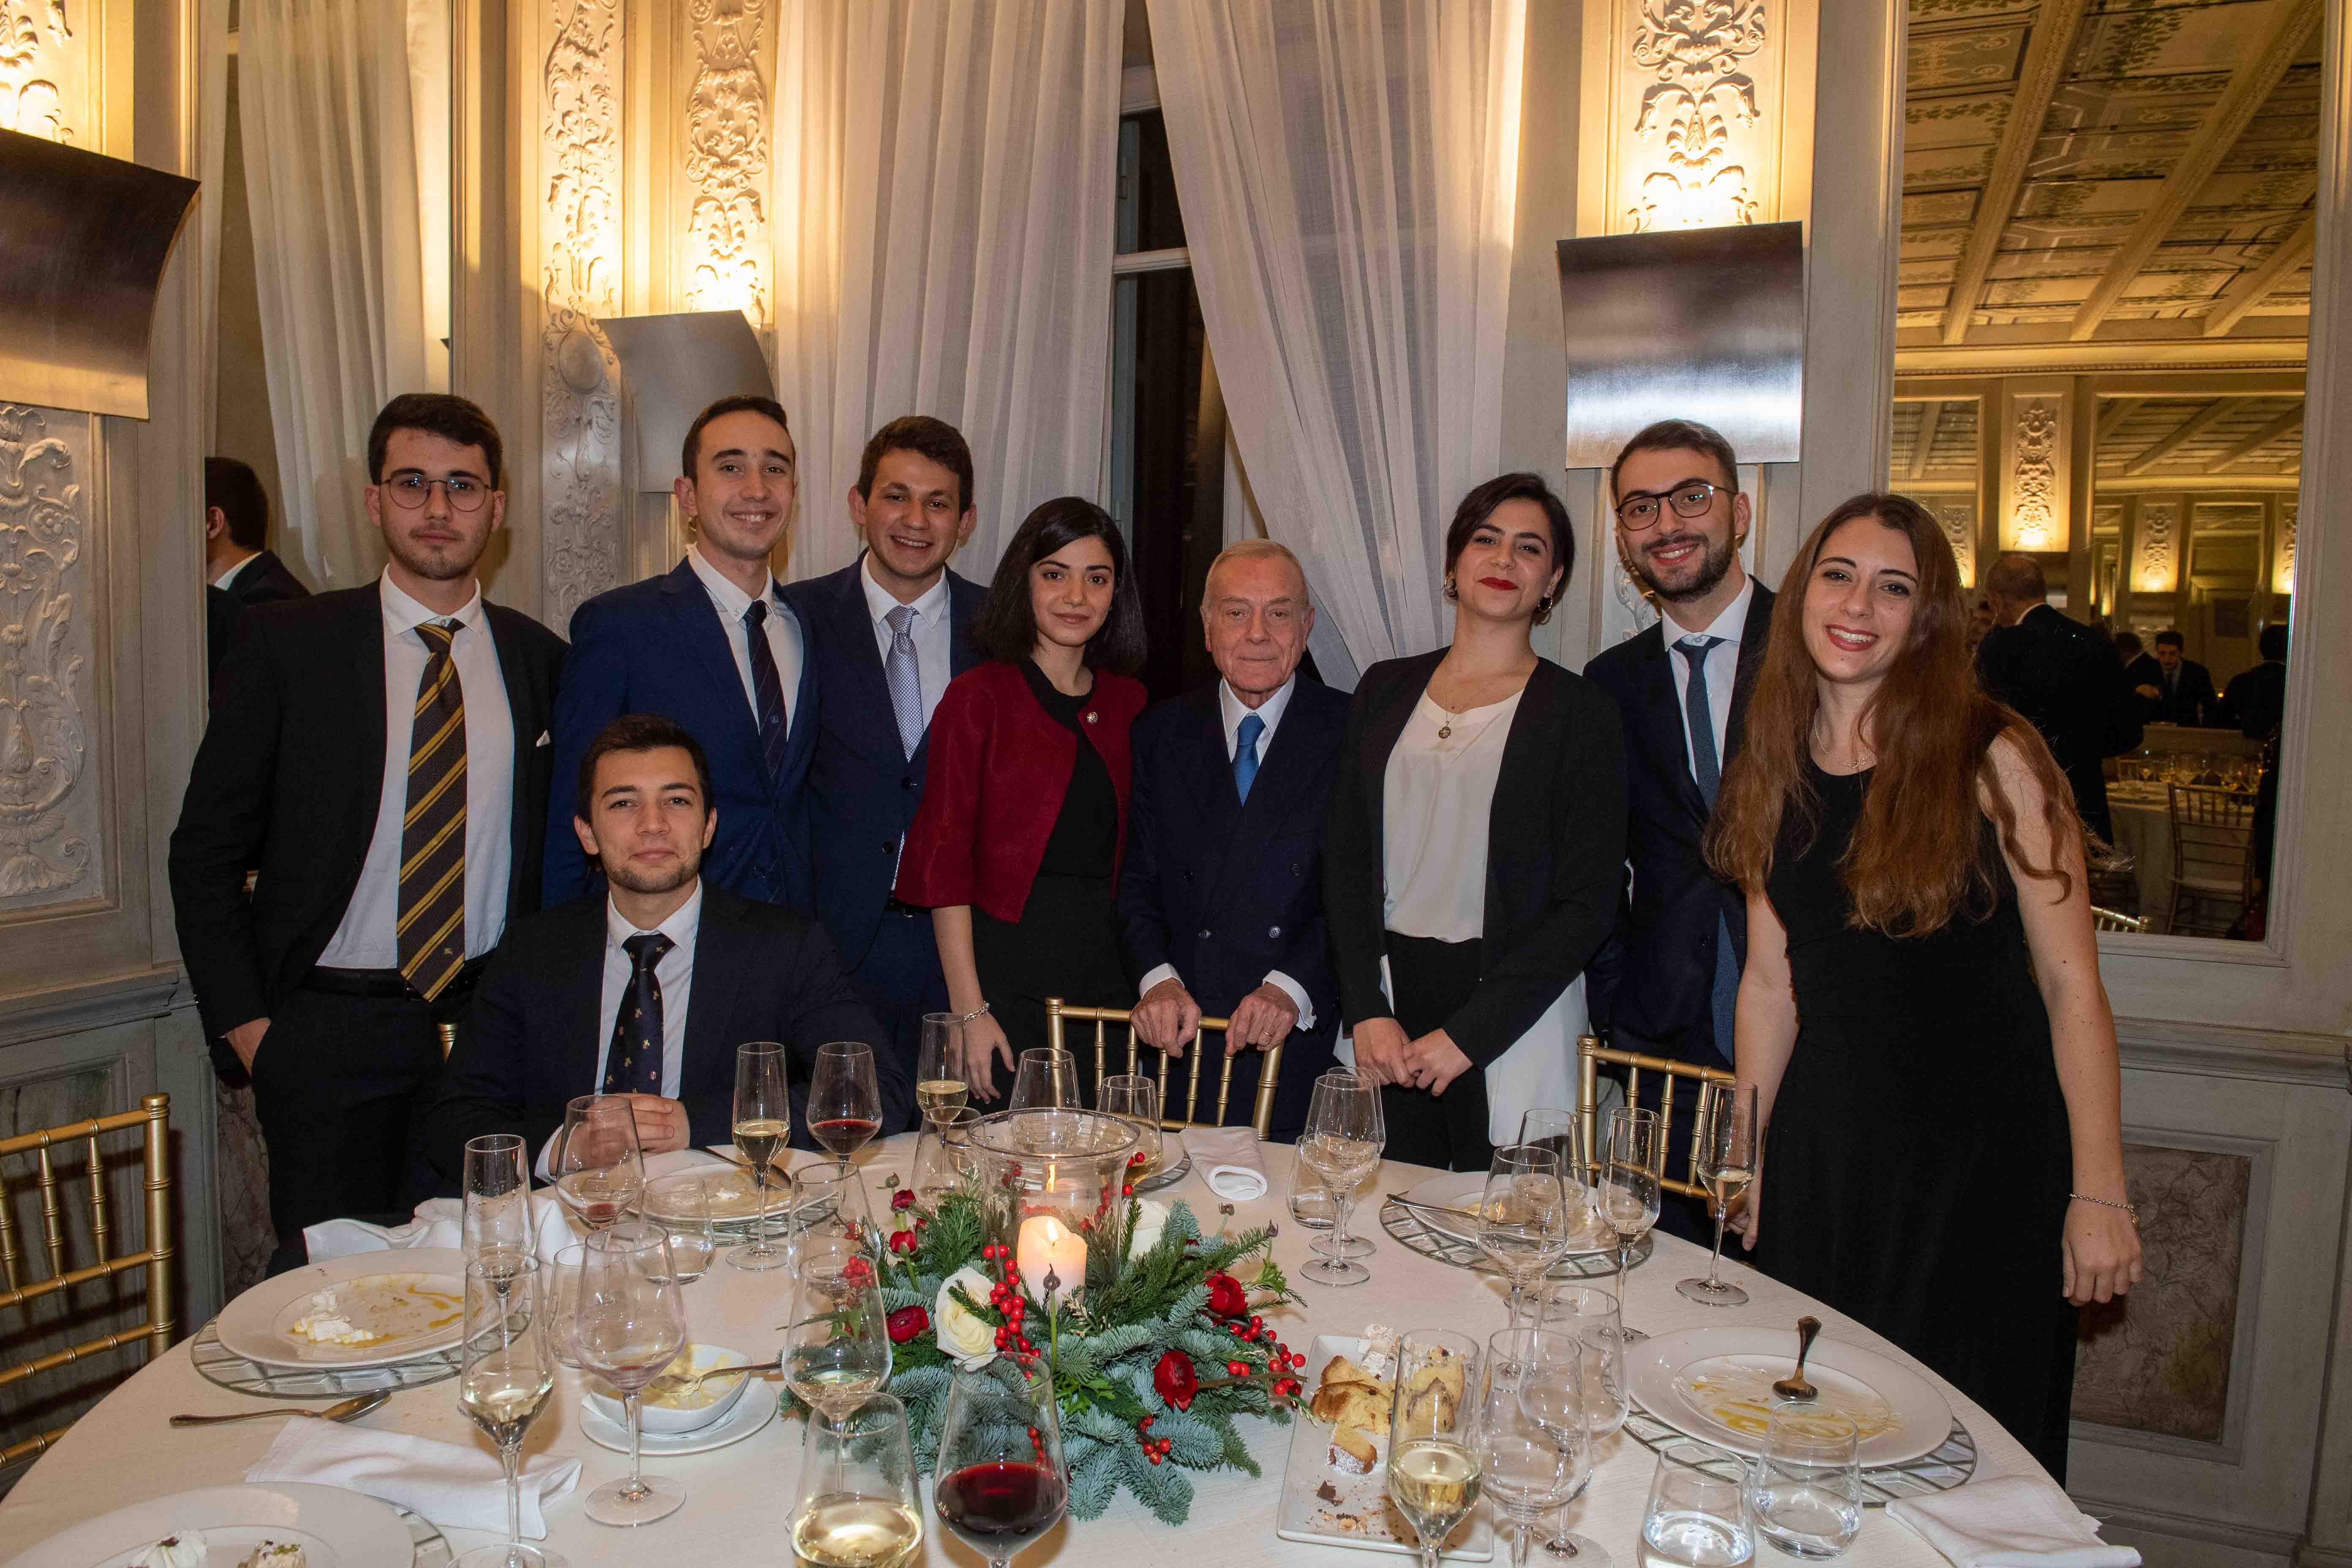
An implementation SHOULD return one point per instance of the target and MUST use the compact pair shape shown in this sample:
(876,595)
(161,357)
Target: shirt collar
(731,600)
(402,613)
(1727,625)
(683,921)
(879,604)
(1231,709)
(225,578)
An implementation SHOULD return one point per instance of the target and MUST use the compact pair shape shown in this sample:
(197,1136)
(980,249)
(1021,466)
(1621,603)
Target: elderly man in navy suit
(1221,901)
(714,646)
(891,629)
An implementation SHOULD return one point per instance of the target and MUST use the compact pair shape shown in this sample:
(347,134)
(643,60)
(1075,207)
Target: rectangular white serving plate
(1302,1516)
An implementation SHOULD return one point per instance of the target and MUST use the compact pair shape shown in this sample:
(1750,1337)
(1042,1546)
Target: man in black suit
(647,986)
(2256,700)
(1668,979)
(2060,675)
(240,570)
(2183,692)
(1221,898)
(889,630)
(377,757)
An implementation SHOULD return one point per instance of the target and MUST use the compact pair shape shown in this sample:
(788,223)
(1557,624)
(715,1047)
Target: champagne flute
(859,1506)
(600,1173)
(844,1103)
(762,1121)
(1002,1482)
(1345,1130)
(1523,1218)
(1044,1079)
(1534,1451)
(497,1224)
(939,1087)
(1629,1193)
(629,1326)
(1434,1460)
(836,1352)
(509,1374)
(1725,1136)
(1135,1098)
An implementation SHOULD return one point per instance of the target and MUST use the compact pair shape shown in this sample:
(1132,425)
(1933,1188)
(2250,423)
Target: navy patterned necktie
(1700,715)
(634,1064)
(769,687)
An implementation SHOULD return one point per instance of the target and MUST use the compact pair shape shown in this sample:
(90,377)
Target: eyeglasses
(1690,498)
(410,491)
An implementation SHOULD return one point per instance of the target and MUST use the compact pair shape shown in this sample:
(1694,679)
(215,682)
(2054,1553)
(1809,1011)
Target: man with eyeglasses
(1666,981)
(377,760)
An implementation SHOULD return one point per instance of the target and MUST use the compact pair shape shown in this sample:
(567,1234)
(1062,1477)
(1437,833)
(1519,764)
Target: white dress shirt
(367,938)
(225,578)
(784,630)
(932,632)
(1722,663)
(676,975)
(1233,710)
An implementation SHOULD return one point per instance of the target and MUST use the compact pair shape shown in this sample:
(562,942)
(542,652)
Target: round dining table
(738,1498)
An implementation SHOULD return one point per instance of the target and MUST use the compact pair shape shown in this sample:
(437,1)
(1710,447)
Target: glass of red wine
(1001,1482)
(845,1103)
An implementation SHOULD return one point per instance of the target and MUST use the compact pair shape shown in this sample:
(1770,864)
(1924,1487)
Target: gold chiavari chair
(1591,1053)
(2212,856)
(2113,920)
(1261,1112)
(153,1116)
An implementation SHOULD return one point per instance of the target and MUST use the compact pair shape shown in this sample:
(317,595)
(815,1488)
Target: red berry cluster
(1154,1448)
(1006,1297)
(1038,1446)
(1230,1301)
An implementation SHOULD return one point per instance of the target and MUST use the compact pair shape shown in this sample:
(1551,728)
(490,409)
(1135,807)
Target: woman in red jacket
(1016,844)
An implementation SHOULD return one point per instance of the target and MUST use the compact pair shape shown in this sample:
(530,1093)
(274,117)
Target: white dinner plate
(1463,1189)
(1331,1507)
(1714,1384)
(753,1411)
(733,1198)
(335,1528)
(400,1288)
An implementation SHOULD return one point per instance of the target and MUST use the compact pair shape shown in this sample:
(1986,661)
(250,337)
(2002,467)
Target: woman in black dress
(1921,1013)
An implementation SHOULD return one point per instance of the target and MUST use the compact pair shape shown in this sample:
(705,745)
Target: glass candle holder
(1051,1181)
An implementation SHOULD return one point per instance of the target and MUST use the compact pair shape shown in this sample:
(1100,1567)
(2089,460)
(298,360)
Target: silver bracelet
(977,1013)
(2108,1203)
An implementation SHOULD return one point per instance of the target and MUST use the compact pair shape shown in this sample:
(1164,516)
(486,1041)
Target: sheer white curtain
(330,162)
(1348,170)
(943,245)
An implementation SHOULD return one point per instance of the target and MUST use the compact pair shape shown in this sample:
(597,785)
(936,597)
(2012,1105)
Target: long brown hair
(1917,858)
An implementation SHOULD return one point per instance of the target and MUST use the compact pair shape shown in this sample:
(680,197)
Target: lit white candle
(1048,1246)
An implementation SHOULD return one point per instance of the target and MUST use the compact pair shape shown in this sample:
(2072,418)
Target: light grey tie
(904,677)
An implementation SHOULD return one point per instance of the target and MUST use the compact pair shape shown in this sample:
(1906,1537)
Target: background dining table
(738,1498)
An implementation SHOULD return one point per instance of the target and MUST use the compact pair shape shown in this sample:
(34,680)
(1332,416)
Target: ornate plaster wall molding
(48,815)
(41,68)
(2158,548)
(581,239)
(1703,96)
(2033,477)
(1959,521)
(727,162)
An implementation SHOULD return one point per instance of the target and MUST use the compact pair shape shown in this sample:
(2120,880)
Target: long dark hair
(1009,630)
(1917,857)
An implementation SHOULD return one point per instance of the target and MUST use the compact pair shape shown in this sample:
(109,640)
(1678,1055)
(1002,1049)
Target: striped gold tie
(433,832)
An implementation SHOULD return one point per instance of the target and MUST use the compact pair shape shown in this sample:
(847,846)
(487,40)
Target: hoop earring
(1543,609)
(1449,589)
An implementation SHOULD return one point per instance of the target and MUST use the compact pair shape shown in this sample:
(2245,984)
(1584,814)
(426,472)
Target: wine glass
(1135,1098)
(630,1325)
(1434,1458)
(941,1160)
(1523,1218)
(1725,1138)
(681,1204)
(1001,1482)
(1696,1518)
(1535,1450)
(1044,1079)
(859,1499)
(497,1224)
(1629,1194)
(600,1173)
(563,1303)
(1563,1132)
(508,1372)
(829,1204)
(1589,1315)
(1346,1132)
(938,1064)
(1805,1488)
(845,1104)
(837,1349)
(762,1121)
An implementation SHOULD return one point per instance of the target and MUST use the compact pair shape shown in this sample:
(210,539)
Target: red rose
(1175,1380)
(1226,1297)
(906,1323)
(904,1198)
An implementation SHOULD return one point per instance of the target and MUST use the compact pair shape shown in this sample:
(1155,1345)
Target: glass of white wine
(1629,1194)
(1135,1097)
(836,1350)
(939,1087)
(509,1375)
(763,1119)
(859,1506)
(1725,1136)
(1433,1458)
(1345,1130)
(942,1152)
(496,1225)
(1523,1218)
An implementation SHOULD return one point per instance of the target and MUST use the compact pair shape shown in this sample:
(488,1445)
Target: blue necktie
(768,687)
(904,676)
(634,1064)
(1245,754)
(1700,717)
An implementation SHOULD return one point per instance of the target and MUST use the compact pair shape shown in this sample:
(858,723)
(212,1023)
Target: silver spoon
(691,1382)
(350,1409)
(1794,1386)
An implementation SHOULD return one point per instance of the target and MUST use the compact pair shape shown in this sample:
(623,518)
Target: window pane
(1147,218)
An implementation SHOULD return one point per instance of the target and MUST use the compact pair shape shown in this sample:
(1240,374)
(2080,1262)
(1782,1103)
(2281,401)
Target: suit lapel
(718,974)
(1753,635)
(522,717)
(1381,732)
(697,624)
(1659,715)
(580,1000)
(1286,758)
(367,654)
(849,628)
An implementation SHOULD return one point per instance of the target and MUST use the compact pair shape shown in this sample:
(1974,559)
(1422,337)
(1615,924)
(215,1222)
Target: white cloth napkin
(1228,1160)
(455,1487)
(2016,1522)
(439,1222)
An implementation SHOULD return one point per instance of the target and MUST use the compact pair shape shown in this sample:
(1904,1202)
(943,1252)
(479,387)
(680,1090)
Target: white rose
(963,1334)
(1150,1219)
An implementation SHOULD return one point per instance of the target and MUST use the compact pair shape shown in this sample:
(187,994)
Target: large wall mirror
(2103,312)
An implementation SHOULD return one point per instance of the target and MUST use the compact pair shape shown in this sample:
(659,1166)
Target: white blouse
(1438,797)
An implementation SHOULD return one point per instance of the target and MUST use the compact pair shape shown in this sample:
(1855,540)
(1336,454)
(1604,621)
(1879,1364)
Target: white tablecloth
(739,1499)
(2143,825)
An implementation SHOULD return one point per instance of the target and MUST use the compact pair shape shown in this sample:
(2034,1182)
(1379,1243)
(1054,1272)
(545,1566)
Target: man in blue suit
(712,645)
(890,630)
(1220,898)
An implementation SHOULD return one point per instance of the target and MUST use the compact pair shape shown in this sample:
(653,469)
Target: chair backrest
(156,1325)
(1591,1053)
(2113,920)
(1102,1018)
(2213,836)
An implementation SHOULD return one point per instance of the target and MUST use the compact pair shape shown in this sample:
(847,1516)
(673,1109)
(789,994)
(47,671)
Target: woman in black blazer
(1476,841)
